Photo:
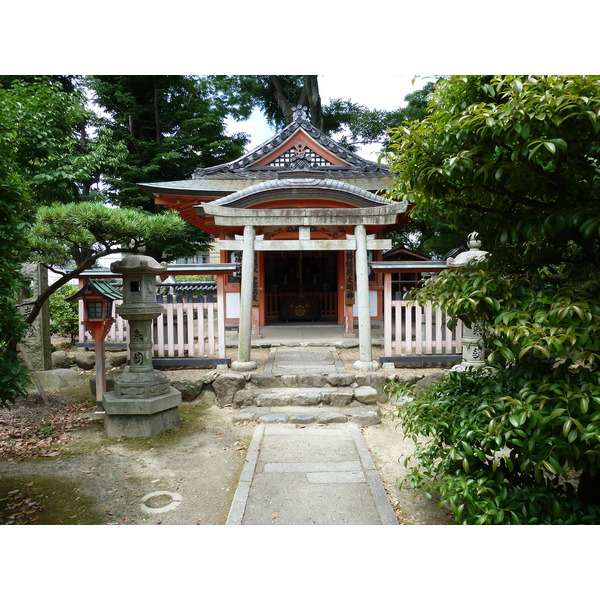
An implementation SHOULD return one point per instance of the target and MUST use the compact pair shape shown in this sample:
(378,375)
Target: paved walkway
(313,475)
(310,476)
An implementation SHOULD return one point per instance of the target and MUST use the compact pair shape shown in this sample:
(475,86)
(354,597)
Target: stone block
(341,397)
(118,405)
(207,397)
(332,417)
(289,380)
(140,425)
(110,382)
(366,418)
(375,380)
(60,379)
(302,419)
(141,385)
(274,418)
(264,380)
(60,360)
(289,397)
(244,416)
(314,381)
(85,360)
(189,388)
(116,359)
(366,394)
(340,379)
(226,386)
(243,398)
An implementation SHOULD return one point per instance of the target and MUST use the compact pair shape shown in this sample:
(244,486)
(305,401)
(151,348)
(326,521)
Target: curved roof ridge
(300,122)
(300,183)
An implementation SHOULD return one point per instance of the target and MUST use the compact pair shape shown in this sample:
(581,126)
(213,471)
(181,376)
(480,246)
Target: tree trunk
(311,85)
(285,105)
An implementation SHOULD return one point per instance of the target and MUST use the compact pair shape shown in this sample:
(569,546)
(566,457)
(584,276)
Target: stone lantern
(473,353)
(143,402)
(98,298)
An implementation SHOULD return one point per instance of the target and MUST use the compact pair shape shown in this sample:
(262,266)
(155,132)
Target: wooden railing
(191,327)
(327,301)
(411,329)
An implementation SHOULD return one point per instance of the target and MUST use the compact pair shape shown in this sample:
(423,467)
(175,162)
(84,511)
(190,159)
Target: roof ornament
(300,113)
(299,160)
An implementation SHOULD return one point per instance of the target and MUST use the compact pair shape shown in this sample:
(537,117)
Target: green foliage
(64,316)
(50,144)
(91,230)
(513,157)
(170,126)
(14,206)
(503,447)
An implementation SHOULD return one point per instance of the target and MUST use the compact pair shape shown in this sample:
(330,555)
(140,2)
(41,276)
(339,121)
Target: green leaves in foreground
(506,458)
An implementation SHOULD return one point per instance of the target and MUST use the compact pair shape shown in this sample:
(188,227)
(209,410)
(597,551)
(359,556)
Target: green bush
(64,316)
(518,442)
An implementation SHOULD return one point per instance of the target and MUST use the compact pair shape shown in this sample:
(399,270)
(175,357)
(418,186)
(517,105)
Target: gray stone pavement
(317,475)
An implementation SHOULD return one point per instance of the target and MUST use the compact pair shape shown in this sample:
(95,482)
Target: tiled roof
(357,166)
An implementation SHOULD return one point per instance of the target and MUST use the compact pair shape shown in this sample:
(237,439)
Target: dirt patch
(83,477)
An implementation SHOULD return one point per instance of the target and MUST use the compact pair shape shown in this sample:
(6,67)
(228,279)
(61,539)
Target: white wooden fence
(411,329)
(192,328)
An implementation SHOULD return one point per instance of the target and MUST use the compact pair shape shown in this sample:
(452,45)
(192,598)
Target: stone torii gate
(304,219)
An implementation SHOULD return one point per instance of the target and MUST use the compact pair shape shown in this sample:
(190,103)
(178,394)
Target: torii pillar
(365,362)
(243,363)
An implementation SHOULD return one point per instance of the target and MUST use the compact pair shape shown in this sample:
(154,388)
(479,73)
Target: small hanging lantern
(98,298)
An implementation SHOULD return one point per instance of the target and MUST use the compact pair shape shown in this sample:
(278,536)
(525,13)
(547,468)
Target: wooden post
(387,313)
(221,314)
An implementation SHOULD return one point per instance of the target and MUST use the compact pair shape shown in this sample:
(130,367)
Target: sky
(375,91)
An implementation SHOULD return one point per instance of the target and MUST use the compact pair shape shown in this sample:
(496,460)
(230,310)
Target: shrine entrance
(301,286)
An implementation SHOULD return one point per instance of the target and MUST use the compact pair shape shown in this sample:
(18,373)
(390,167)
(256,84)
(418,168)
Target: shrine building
(304,218)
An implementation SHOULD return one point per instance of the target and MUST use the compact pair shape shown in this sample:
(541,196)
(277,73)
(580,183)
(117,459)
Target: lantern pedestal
(134,409)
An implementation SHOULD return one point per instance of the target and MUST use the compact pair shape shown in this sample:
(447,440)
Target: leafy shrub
(519,442)
(64,316)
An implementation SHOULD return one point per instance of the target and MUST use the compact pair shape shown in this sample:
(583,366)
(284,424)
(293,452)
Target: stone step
(313,415)
(306,396)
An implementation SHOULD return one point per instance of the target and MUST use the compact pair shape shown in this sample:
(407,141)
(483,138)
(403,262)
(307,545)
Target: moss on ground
(46,501)
(192,421)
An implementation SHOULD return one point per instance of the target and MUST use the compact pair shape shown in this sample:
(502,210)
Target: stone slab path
(309,360)
(318,475)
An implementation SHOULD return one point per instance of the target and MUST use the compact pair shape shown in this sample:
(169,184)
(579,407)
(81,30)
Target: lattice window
(287,158)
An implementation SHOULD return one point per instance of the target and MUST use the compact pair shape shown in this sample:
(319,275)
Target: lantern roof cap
(472,256)
(104,289)
(138,263)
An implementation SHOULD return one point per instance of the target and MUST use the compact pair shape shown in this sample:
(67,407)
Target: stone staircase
(300,385)
(303,399)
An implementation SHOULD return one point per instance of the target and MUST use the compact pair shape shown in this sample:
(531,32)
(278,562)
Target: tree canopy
(513,157)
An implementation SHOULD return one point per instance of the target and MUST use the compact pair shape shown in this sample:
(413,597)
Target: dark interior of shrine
(308,279)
